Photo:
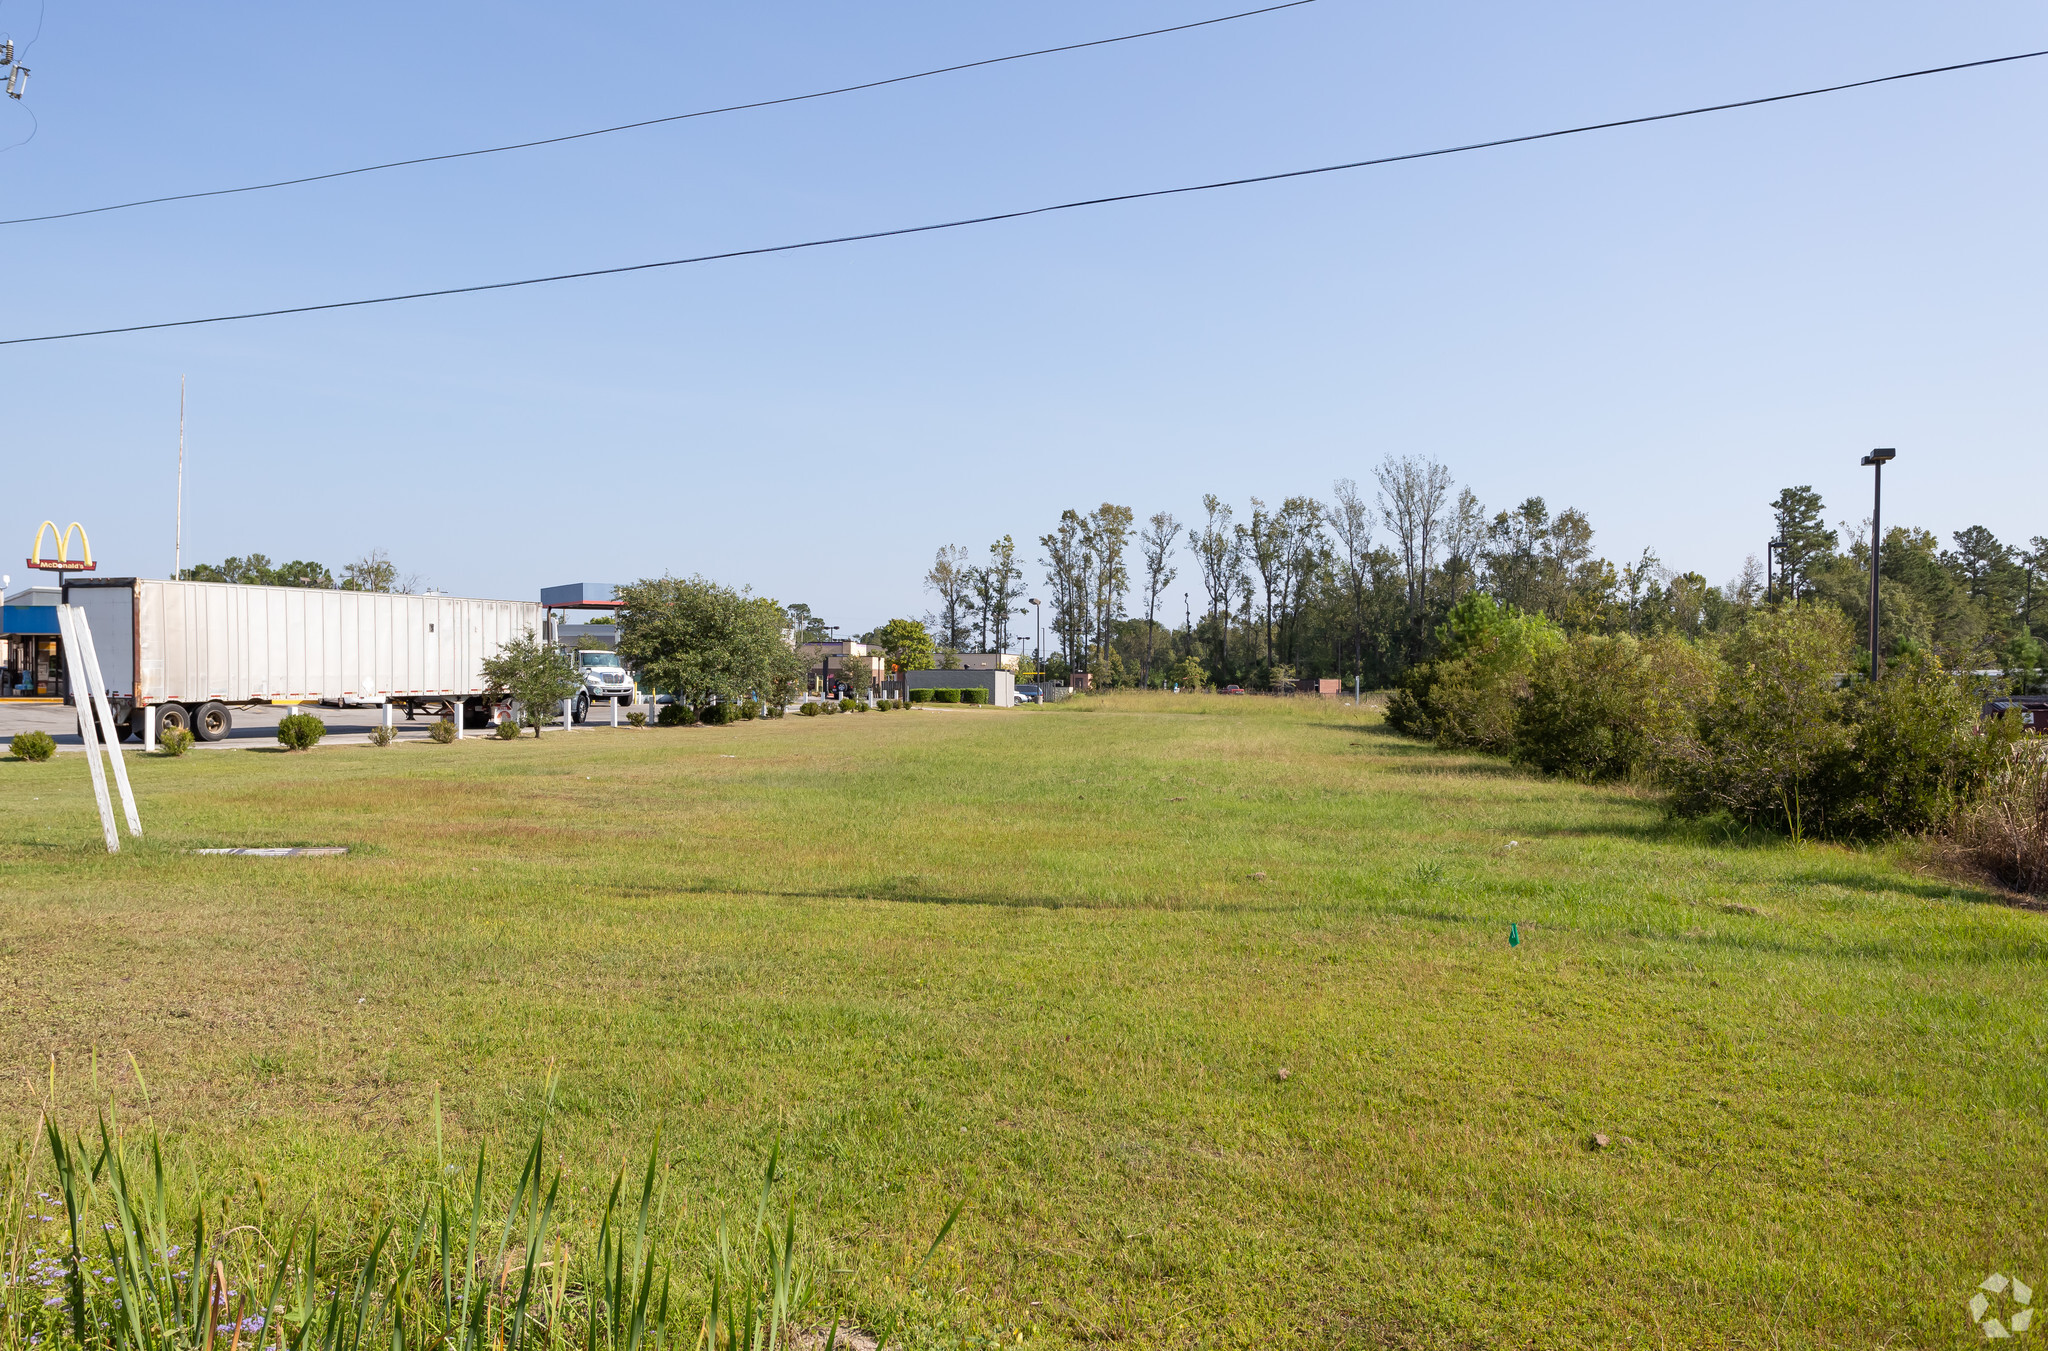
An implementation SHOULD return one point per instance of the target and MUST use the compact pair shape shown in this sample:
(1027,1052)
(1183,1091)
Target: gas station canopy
(581,596)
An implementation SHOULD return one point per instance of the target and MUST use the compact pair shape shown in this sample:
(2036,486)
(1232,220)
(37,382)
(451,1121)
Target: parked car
(1030,694)
(1233,689)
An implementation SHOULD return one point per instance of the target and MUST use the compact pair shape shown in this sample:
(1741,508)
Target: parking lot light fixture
(1876,460)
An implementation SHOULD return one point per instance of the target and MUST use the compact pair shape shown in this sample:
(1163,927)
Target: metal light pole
(1877,460)
(1037,639)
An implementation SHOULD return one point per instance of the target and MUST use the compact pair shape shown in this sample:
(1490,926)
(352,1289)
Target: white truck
(604,678)
(186,653)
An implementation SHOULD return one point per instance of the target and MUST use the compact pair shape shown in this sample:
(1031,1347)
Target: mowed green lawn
(1054,962)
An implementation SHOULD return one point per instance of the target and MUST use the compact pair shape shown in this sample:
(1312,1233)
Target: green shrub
(675,715)
(810,708)
(637,718)
(718,714)
(1600,707)
(922,696)
(36,746)
(175,741)
(380,735)
(750,709)
(300,731)
(1917,756)
(849,705)
(974,695)
(508,730)
(1765,745)
(442,731)
(775,710)
(945,696)
(1467,696)
(828,706)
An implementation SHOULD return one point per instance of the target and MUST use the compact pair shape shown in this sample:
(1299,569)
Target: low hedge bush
(36,746)
(508,730)
(175,741)
(921,696)
(675,715)
(380,735)
(974,695)
(810,709)
(300,731)
(849,705)
(637,718)
(945,696)
(442,731)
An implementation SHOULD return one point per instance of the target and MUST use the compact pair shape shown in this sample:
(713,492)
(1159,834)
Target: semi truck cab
(603,678)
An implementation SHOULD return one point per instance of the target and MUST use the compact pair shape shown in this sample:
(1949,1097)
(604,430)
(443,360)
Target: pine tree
(1806,539)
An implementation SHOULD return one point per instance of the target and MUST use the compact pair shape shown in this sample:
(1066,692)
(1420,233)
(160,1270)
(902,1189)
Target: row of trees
(1359,586)
(1757,723)
(374,571)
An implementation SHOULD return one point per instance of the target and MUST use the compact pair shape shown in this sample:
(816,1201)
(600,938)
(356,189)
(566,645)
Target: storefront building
(31,658)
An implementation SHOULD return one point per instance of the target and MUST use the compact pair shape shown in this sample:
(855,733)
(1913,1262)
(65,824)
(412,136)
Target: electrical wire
(35,124)
(653,121)
(1038,210)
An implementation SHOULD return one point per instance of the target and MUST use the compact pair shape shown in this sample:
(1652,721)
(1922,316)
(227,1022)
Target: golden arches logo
(63,562)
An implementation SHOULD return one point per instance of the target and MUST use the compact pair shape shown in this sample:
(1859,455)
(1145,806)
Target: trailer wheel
(582,705)
(169,716)
(215,722)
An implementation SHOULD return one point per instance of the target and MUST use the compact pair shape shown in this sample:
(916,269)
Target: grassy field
(1055,962)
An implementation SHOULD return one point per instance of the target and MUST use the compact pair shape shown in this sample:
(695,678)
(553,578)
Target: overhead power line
(655,121)
(1037,210)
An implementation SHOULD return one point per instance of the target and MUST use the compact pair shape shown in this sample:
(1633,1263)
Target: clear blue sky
(1661,325)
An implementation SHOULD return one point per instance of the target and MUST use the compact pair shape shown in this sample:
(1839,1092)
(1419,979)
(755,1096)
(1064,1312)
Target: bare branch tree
(1155,544)
(1412,493)
(952,581)
(1222,559)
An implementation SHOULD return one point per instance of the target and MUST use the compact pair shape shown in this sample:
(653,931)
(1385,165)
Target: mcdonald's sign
(63,562)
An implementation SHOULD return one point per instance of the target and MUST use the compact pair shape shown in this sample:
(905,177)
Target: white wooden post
(98,688)
(385,708)
(455,716)
(148,716)
(615,710)
(568,722)
(83,702)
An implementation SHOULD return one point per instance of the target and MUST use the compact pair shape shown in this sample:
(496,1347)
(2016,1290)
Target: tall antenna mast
(178,542)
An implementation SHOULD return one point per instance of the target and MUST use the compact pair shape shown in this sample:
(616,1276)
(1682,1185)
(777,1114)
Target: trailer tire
(214,722)
(169,716)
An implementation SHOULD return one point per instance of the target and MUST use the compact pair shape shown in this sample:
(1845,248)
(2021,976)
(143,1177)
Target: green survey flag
(1514,935)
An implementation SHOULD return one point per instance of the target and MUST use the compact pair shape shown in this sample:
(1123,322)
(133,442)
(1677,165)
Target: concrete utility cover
(278,853)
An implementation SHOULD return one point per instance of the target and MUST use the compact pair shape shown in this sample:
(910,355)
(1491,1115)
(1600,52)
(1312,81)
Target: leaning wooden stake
(96,682)
(74,659)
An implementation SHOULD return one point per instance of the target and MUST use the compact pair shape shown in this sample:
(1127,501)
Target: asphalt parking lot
(254,726)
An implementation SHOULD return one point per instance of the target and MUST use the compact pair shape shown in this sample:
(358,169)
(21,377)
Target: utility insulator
(17,82)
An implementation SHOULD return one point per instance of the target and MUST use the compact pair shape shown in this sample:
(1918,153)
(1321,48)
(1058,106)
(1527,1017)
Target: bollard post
(455,716)
(148,716)
(615,710)
(568,720)
(385,708)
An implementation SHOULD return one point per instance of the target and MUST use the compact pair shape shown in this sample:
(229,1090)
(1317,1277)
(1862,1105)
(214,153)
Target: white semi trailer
(186,653)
